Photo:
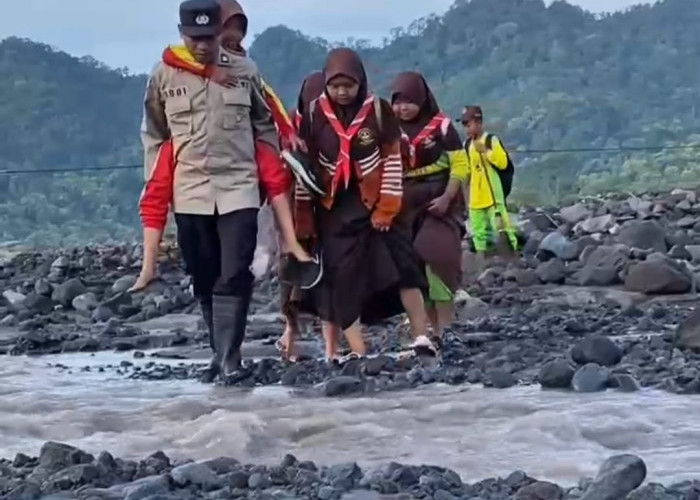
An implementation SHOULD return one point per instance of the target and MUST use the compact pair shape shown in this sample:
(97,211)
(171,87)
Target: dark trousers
(218,251)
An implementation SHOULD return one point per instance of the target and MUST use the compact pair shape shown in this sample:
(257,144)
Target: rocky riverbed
(594,302)
(65,472)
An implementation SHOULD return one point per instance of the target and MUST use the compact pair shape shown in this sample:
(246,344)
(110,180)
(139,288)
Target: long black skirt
(364,269)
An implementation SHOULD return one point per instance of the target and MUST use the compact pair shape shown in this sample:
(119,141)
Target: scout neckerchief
(179,56)
(432,125)
(343,163)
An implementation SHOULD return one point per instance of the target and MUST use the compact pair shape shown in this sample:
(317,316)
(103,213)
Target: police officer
(212,130)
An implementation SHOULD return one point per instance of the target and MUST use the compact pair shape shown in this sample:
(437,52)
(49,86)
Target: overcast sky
(132,33)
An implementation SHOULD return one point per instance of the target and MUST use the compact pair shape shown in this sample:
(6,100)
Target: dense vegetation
(552,77)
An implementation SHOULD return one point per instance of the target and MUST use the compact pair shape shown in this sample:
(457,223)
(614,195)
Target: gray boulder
(617,478)
(556,375)
(560,246)
(590,378)
(575,213)
(65,292)
(596,349)
(552,271)
(655,276)
(646,234)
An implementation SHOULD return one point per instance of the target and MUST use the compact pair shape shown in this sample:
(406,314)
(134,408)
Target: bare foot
(285,344)
(299,253)
(145,278)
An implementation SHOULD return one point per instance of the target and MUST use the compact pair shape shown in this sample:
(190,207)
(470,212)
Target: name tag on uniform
(176,92)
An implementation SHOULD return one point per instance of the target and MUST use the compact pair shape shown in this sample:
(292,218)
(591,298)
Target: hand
(438,207)
(479,146)
(380,225)
(222,77)
(295,143)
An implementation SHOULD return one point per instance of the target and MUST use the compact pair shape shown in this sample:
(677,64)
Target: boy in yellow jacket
(486,199)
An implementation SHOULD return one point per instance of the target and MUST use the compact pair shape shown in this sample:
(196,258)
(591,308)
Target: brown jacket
(376,161)
(213,129)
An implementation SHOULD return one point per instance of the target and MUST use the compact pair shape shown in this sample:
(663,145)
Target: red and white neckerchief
(343,163)
(432,125)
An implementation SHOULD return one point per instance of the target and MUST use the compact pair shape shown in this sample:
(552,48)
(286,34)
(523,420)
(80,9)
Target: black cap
(200,18)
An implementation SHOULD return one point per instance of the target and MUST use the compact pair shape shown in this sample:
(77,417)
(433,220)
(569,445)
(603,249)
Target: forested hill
(551,77)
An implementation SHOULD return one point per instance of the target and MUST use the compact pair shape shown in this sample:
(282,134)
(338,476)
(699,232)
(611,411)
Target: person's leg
(506,226)
(478,220)
(151,243)
(283,212)
(414,305)
(441,298)
(198,242)
(234,287)
(353,334)
(330,339)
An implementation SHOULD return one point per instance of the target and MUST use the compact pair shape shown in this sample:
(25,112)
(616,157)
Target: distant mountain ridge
(548,77)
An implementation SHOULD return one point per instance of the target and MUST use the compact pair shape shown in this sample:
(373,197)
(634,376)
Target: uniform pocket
(179,112)
(236,112)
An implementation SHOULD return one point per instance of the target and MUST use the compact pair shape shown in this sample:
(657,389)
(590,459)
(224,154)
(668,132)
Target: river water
(479,433)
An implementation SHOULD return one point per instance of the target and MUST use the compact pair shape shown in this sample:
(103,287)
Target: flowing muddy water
(479,433)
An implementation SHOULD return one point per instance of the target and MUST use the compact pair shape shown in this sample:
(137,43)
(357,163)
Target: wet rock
(258,480)
(617,478)
(590,378)
(38,304)
(42,286)
(575,213)
(24,491)
(598,276)
(694,251)
(469,308)
(540,490)
(687,335)
(54,457)
(147,489)
(559,245)
(65,292)
(346,476)
(196,474)
(680,252)
(238,479)
(14,299)
(647,235)
(624,383)
(85,303)
(599,224)
(116,302)
(657,277)
(123,284)
(72,478)
(523,277)
(342,386)
(501,379)
(552,271)
(556,375)
(596,349)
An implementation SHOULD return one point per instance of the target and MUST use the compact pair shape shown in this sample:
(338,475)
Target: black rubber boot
(213,369)
(230,319)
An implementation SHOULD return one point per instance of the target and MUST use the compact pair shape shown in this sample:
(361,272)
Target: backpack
(506,175)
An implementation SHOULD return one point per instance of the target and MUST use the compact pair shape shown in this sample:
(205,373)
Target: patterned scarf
(345,136)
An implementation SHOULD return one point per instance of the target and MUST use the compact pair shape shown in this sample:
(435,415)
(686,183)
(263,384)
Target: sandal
(423,346)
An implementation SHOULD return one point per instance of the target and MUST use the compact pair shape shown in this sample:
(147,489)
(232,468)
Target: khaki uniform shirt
(213,129)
